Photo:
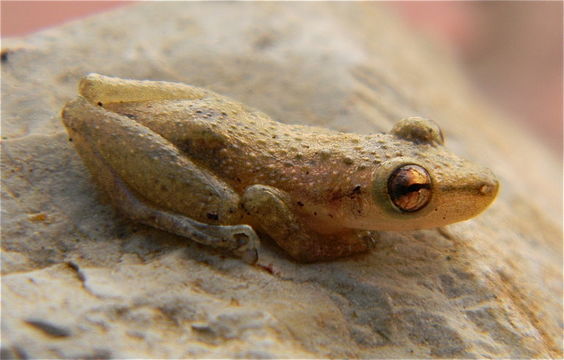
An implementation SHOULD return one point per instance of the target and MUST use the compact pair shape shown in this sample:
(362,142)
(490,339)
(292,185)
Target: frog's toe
(250,256)
(247,243)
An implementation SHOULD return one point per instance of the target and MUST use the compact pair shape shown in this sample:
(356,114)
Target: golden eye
(409,188)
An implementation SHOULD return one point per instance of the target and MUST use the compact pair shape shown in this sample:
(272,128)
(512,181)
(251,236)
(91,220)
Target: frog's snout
(466,195)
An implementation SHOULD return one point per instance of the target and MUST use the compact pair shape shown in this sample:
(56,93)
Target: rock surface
(78,280)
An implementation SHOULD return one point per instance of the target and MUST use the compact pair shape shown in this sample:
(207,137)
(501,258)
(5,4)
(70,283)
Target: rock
(81,281)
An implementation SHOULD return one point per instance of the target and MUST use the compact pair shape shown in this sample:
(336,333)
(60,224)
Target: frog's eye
(418,130)
(409,188)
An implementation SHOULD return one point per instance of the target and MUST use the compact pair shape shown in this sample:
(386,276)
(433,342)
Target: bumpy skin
(198,164)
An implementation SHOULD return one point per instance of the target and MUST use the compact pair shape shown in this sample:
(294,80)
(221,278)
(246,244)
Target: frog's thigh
(103,89)
(275,215)
(151,166)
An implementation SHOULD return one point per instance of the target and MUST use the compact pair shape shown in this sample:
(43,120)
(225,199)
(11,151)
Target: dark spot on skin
(331,216)
(315,213)
(70,139)
(448,258)
(49,328)
(274,136)
(131,116)
(100,103)
(223,113)
(355,191)
(307,172)
(198,111)
(300,203)
(212,216)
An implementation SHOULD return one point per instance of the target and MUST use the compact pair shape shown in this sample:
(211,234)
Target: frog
(200,165)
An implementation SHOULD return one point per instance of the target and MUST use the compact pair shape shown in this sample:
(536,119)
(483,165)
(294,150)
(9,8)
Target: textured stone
(78,280)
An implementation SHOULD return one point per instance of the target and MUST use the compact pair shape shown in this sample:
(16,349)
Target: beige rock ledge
(81,281)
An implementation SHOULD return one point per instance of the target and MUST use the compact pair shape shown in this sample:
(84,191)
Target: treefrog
(200,165)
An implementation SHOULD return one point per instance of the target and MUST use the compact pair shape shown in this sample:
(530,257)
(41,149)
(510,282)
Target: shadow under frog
(203,166)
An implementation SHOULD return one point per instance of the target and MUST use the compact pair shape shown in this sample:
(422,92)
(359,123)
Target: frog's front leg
(150,181)
(274,214)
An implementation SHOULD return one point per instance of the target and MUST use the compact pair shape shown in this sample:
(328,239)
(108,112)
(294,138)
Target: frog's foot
(247,242)
(276,216)
(239,240)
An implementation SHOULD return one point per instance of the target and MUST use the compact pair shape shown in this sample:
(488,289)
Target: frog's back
(245,147)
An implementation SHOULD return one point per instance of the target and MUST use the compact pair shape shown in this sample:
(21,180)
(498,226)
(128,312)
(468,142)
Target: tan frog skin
(198,164)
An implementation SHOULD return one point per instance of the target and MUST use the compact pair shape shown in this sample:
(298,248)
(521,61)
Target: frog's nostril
(486,189)
(489,188)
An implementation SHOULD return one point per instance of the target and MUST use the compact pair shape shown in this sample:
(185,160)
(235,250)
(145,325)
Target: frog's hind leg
(108,158)
(101,90)
(240,240)
(276,216)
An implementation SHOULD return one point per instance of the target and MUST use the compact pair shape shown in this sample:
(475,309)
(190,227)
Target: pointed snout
(469,194)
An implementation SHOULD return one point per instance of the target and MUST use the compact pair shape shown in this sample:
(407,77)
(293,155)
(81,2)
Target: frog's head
(425,185)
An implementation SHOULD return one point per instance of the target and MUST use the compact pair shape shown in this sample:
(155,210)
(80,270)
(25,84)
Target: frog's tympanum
(203,166)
